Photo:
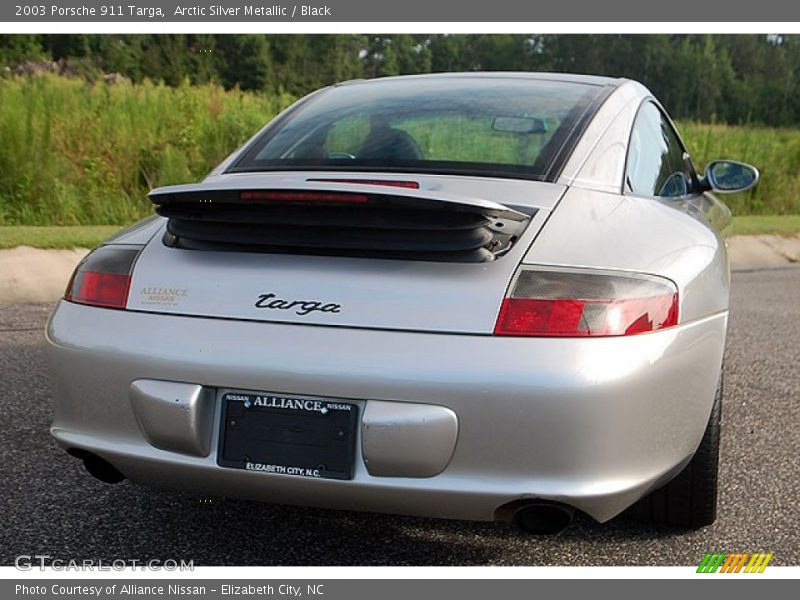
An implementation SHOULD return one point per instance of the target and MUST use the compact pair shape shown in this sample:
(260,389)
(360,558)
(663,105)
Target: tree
(15,49)
(245,61)
(729,78)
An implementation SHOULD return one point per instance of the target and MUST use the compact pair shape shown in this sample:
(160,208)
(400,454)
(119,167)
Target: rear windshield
(483,125)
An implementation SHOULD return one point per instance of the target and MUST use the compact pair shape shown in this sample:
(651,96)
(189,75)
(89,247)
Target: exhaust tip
(536,516)
(543,518)
(97,467)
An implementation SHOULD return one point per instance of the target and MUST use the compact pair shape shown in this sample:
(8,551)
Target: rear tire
(690,499)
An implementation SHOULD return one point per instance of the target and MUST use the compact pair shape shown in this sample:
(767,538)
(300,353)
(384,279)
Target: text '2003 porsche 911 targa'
(488,296)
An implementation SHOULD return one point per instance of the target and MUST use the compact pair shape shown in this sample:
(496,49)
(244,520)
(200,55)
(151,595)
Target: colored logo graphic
(734,563)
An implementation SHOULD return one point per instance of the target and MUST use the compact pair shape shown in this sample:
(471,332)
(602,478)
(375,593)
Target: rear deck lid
(338,253)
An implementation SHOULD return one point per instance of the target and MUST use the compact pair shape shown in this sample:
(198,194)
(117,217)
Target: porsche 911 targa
(488,296)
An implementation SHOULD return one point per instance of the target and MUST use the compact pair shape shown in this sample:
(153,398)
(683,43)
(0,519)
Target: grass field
(765,224)
(77,236)
(73,153)
(79,154)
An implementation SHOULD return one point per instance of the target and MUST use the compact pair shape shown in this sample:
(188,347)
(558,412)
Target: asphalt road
(50,506)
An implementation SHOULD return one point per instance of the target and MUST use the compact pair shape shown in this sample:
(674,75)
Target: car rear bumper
(593,423)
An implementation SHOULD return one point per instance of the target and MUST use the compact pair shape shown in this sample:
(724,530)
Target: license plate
(287,435)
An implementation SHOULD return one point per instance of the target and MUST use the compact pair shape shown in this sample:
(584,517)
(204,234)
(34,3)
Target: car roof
(536,76)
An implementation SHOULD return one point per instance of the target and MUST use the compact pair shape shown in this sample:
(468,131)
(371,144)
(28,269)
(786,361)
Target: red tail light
(291,196)
(103,278)
(574,304)
(411,185)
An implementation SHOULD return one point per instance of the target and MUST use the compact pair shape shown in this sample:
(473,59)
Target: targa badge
(301,307)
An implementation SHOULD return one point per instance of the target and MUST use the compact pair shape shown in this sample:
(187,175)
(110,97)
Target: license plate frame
(283,434)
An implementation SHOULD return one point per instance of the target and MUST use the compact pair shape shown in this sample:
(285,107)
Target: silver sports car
(489,296)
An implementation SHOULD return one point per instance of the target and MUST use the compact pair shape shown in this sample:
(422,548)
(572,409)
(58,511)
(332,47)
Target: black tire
(690,499)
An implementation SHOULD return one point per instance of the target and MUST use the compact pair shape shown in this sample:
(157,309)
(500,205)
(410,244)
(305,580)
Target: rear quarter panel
(670,238)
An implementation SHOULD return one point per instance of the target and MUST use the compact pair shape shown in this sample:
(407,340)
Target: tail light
(103,278)
(411,185)
(586,304)
(290,196)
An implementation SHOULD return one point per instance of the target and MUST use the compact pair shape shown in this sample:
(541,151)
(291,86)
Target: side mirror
(730,176)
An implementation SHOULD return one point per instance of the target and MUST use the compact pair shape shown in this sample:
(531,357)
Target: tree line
(710,78)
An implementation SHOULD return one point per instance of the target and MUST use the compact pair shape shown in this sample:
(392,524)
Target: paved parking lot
(50,506)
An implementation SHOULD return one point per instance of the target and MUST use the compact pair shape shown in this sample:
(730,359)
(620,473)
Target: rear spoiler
(232,192)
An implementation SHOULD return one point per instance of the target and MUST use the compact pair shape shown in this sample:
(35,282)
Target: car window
(483,125)
(432,138)
(346,136)
(656,165)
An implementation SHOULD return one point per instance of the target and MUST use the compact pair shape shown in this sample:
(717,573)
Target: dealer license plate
(288,435)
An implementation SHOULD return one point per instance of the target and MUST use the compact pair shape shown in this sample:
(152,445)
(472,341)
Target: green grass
(76,153)
(765,224)
(81,236)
